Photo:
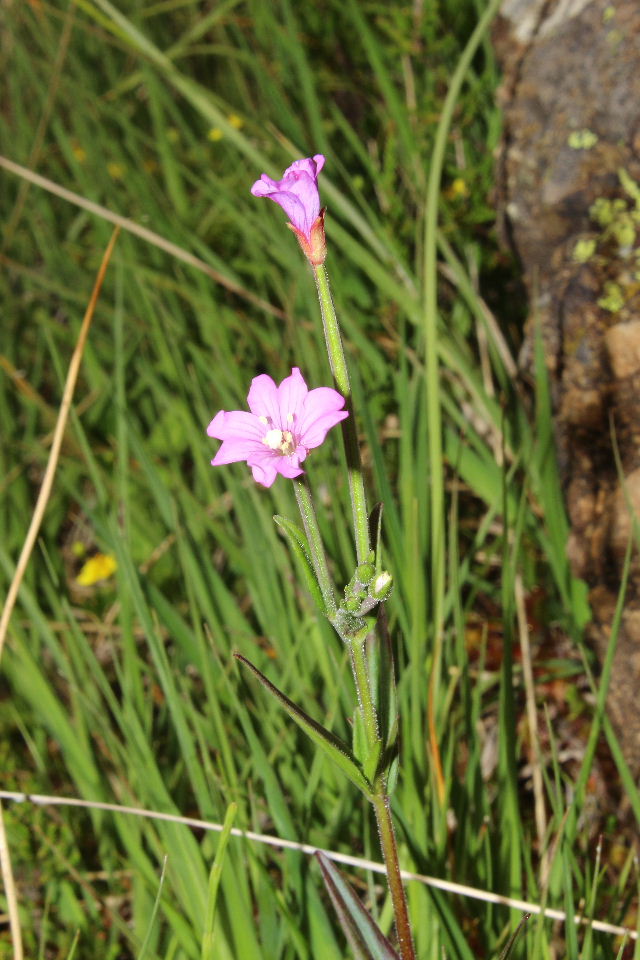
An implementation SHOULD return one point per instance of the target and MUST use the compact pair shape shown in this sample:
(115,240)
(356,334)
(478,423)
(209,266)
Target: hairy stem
(387,834)
(316,548)
(360,669)
(340,372)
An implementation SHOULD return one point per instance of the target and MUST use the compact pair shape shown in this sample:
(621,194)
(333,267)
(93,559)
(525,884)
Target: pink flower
(297,194)
(285,422)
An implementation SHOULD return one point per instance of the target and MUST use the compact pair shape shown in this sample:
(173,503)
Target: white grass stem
(457,888)
(10,892)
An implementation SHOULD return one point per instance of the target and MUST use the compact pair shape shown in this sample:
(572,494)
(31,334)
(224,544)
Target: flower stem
(382,810)
(316,549)
(357,648)
(340,372)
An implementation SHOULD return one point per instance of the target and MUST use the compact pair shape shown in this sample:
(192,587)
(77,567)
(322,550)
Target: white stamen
(288,445)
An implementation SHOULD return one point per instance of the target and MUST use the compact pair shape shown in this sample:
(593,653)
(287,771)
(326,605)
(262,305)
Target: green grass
(166,113)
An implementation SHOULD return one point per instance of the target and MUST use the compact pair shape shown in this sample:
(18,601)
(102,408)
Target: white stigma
(280,440)
(273,439)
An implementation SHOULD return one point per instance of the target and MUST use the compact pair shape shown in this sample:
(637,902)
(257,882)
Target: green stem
(357,648)
(340,372)
(365,699)
(316,549)
(380,801)
(382,810)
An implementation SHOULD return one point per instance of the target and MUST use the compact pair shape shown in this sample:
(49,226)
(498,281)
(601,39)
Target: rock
(569,204)
(622,342)
(625,506)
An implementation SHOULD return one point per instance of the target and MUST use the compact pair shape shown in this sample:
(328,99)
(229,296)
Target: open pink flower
(297,194)
(285,422)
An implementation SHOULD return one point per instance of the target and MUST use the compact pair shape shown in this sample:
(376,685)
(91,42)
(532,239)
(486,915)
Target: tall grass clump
(118,683)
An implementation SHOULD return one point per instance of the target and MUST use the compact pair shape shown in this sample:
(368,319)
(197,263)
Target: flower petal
(236,424)
(292,393)
(310,165)
(317,431)
(295,208)
(287,469)
(321,411)
(297,192)
(264,469)
(265,186)
(232,451)
(241,434)
(263,400)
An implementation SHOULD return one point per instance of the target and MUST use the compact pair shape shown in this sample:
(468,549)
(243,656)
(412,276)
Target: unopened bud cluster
(362,594)
(366,589)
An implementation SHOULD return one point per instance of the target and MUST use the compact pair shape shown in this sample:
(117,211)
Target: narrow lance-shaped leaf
(300,549)
(380,657)
(332,746)
(375,533)
(365,938)
(506,953)
(383,682)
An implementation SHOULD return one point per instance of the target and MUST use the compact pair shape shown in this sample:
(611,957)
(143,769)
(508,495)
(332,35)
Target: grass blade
(154,912)
(214,882)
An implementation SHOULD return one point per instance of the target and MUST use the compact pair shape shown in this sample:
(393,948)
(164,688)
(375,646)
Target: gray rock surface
(571,99)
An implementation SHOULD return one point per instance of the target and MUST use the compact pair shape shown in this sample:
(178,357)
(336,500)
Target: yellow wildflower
(99,567)
(115,170)
(79,152)
(458,189)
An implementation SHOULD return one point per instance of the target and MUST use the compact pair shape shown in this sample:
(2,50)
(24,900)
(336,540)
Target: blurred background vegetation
(124,689)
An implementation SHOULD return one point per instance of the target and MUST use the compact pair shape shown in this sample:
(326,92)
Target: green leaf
(375,533)
(300,548)
(383,679)
(154,912)
(513,938)
(625,940)
(383,682)
(365,938)
(359,736)
(214,882)
(327,741)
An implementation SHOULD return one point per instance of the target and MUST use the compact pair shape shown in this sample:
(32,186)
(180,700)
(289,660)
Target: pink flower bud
(297,193)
